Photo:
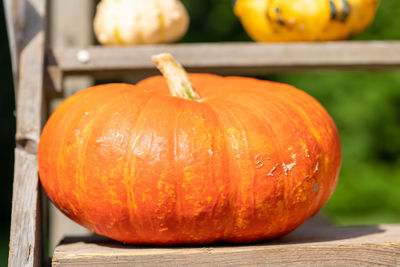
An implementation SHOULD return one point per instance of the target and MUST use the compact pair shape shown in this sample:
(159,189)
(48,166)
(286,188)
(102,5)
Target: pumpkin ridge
(108,109)
(81,151)
(233,163)
(178,183)
(75,102)
(296,105)
(264,102)
(193,221)
(149,222)
(49,129)
(79,177)
(130,169)
(227,150)
(304,114)
(247,151)
(223,111)
(276,143)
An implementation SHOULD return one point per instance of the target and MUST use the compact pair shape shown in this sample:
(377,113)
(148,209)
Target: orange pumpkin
(243,160)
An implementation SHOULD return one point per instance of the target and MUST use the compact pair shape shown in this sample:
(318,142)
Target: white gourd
(132,22)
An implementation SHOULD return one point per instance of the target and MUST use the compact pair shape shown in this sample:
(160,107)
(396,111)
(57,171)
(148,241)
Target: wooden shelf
(230,58)
(307,246)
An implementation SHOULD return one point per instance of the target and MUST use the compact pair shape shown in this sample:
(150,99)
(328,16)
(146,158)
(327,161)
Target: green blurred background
(364,105)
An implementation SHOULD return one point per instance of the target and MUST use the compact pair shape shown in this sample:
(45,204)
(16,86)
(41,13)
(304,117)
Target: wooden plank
(30,96)
(15,17)
(313,246)
(61,226)
(230,58)
(25,236)
(71,23)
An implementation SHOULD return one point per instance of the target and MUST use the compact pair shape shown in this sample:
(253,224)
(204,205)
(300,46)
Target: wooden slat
(25,236)
(30,95)
(71,23)
(230,58)
(15,17)
(317,246)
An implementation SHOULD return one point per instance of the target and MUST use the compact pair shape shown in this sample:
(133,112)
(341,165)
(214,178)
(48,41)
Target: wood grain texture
(15,18)
(307,246)
(231,58)
(25,236)
(30,95)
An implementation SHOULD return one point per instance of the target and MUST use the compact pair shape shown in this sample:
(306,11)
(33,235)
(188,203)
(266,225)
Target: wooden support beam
(313,246)
(25,236)
(15,18)
(229,58)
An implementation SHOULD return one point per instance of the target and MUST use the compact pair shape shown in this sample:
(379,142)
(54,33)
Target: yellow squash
(304,20)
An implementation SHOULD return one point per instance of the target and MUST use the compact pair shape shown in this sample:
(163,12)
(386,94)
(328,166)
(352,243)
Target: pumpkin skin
(304,20)
(251,161)
(135,22)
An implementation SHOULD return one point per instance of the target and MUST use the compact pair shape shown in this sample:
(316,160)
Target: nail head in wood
(83,56)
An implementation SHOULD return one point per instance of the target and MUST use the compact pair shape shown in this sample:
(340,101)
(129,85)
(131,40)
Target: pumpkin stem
(176,76)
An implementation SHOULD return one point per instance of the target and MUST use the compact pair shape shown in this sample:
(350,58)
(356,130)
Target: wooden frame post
(26,248)
(15,18)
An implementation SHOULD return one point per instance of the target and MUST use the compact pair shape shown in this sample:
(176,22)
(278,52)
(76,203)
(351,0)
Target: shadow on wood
(302,235)
(35,21)
(315,246)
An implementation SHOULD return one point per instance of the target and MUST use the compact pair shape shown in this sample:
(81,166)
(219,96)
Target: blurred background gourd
(304,20)
(132,22)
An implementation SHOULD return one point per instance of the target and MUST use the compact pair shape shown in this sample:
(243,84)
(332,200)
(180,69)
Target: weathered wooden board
(25,236)
(30,92)
(15,18)
(313,246)
(230,58)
